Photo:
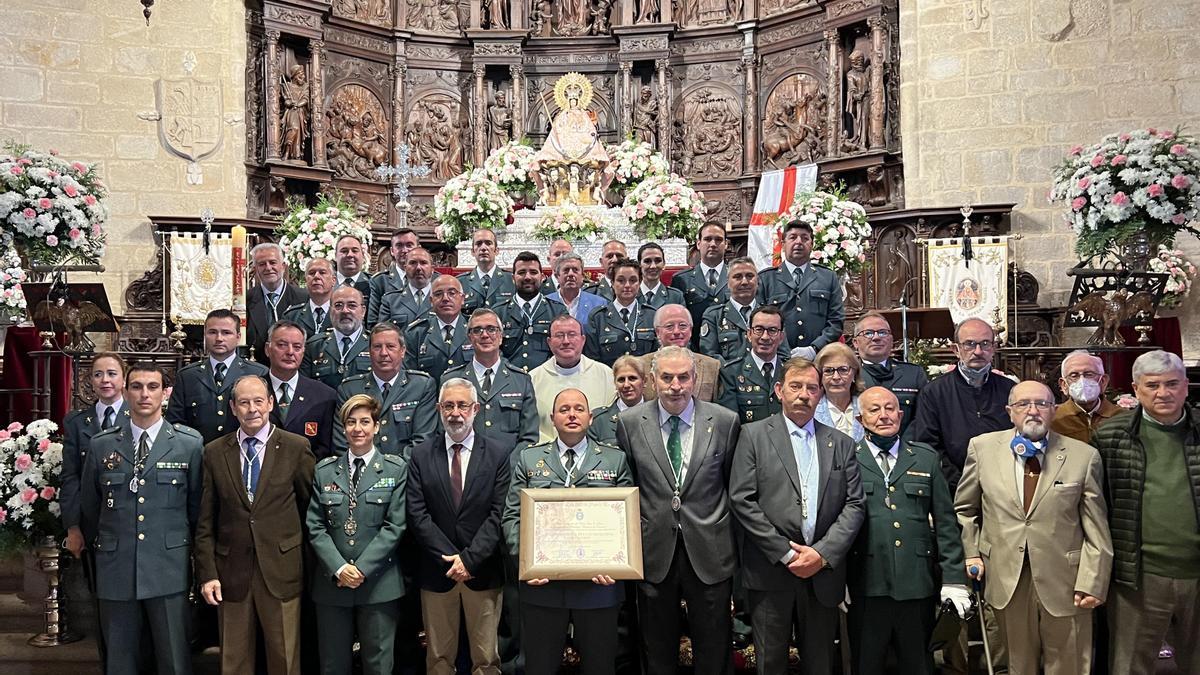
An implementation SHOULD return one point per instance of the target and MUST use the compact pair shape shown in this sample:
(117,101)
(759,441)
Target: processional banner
(200,281)
(971,289)
(776,192)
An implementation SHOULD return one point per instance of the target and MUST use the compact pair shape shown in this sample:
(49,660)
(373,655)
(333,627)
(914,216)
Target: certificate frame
(625,563)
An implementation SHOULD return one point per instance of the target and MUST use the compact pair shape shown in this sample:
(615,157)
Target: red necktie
(456,477)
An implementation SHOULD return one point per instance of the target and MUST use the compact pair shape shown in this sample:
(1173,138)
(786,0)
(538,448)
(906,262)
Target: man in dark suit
(141,495)
(547,607)
(809,295)
(269,298)
(314,314)
(705,284)
(403,240)
(796,493)
(487,285)
(457,483)
(680,449)
(201,396)
(351,266)
(303,406)
(437,341)
(249,555)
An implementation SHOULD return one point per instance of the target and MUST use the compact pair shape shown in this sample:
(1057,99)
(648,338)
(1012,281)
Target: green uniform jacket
(323,358)
(409,411)
(379,522)
(897,552)
(526,342)
(197,401)
(746,392)
(604,424)
(500,288)
(302,314)
(509,408)
(813,313)
(381,284)
(905,380)
(608,338)
(428,351)
(698,295)
(723,333)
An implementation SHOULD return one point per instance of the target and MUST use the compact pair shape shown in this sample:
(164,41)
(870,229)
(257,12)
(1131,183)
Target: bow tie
(1023,447)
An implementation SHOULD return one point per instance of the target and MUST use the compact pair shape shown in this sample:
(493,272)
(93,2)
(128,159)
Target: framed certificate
(573,533)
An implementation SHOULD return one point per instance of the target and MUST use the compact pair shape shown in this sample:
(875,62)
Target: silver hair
(268,246)
(315,261)
(458,383)
(1158,362)
(1080,352)
(660,311)
(670,352)
(569,255)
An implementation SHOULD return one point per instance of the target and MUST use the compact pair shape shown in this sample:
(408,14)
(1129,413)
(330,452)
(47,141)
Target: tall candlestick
(238,304)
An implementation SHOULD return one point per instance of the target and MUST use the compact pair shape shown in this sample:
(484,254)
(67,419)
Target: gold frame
(631,570)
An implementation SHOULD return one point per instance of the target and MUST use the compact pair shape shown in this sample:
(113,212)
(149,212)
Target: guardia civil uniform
(907,548)
(508,407)
(329,359)
(702,290)
(305,315)
(601,288)
(747,391)
(813,313)
(144,502)
(604,422)
(359,523)
(382,283)
(609,337)
(428,350)
(526,336)
(485,290)
(723,331)
(661,295)
(409,410)
(905,380)
(203,402)
(402,307)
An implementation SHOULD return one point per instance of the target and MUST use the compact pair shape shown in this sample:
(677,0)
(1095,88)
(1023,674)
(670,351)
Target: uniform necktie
(745,310)
(354,477)
(273,301)
(485,283)
(527,308)
(570,464)
(219,375)
(319,317)
(448,334)
(387,389)
(648,298)
(625,315)
(885,460)
(675,445)
(143,451)
(348,281)
(768,367)
(251,467)
(108,418)
(712,278)
(456,477)
(1033,471)
(487,382)
(798,275)
(420,296)
(345,347)
(285,398)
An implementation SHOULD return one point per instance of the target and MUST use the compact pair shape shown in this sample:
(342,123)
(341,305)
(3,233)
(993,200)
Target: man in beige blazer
(1031,507)
(673,327)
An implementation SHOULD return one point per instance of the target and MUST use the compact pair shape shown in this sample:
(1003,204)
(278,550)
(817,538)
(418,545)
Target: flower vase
(49,559)
(1135,250)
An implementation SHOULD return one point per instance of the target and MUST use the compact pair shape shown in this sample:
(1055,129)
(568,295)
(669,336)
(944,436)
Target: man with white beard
(1033,518)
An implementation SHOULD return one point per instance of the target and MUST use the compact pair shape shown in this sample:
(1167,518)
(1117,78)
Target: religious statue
(645,116)
(356,133)
(437,15)
(707,148)
(499,14)
(294,113)
(647,12)
(857,90)
(791,128)
(539,16)
(572,165)
(436,135)
(572,17)
(499,122)
(600,22)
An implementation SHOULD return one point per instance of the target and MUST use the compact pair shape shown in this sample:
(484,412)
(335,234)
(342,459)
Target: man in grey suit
(797,494)
(680,450)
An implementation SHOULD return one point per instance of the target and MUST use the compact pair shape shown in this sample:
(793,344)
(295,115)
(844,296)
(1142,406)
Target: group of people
(358,479)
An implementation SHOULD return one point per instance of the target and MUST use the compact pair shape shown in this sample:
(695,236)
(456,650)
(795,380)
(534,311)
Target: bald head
(880,412)
(1031,409)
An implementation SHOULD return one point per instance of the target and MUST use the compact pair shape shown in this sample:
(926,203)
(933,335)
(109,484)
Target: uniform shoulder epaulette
(416,322)
(355,378)
(107,432)
(767,269)
(819,265)
(413,372)
(327,461)
(924,447)
(76,413)
(395,459)
(295,306)
(195,365)
(606,444)
(186,430)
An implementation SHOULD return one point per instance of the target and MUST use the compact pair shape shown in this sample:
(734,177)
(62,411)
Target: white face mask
(1084,390)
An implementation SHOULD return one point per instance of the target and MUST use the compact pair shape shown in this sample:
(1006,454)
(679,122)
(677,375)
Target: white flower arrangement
(308,233)
(841,233)
(509,167)
(1180,273)
(570,223)
(633,161)
(666,206)
(30,464)
(12,275)
(51,208)
(1140,180)
(468,202)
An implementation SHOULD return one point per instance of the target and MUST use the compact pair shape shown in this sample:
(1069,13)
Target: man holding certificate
(572,460)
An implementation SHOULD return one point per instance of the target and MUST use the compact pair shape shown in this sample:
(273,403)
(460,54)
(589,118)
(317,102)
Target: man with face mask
(1083,382)
(1035,530)
(965,402)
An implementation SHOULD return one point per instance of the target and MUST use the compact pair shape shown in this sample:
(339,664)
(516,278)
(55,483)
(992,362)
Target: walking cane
(976,585)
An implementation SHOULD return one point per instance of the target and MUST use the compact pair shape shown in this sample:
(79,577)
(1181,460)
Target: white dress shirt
(580,449)
(464,455)
(275,382)
(152,430)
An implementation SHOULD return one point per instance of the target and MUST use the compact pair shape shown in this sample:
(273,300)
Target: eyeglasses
(451,406)
(1087,375)
(840,370)
(972,345)
(757,331)
(1026,405)
(565,336)
(484,330)
(871,333)
(676,326)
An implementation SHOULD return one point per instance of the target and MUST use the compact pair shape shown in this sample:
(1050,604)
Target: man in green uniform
(438,340)
(527,315)
(808,294)
(403,240)
(748,383)
(705,284)
(613,251)
(487,285)
(724,325)
(873,340)
(341,351)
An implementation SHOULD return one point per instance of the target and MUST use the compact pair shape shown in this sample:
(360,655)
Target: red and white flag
(776,192)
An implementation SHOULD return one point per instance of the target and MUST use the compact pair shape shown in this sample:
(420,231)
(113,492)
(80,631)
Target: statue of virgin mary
(572,164)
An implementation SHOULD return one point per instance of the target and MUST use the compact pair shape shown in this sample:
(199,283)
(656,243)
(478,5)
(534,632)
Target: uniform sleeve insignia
(704,329)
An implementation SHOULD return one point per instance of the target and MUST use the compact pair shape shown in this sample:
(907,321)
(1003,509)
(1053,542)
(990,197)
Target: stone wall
(994,93)
(81,77)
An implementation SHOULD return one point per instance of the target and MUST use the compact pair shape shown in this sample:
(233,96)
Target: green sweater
(1170,532)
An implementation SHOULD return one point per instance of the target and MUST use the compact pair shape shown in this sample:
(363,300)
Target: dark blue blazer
(310,415)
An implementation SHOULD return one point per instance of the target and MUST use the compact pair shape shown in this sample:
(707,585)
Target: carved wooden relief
(441,16)
(793,126)
(436,131)
(706,148)
(707,12)
(356,133)
(377,12)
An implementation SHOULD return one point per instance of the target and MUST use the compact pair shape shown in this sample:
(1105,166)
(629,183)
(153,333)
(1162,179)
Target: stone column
(750,114)
(664,109)
(317,102)
(476,15)
(398,70)
(879,41)
(517,72)
(272,94)
(626,99)
(833,85)
(481,149)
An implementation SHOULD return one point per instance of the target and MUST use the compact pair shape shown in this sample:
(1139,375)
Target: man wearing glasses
(342,351)
(1035,528)
(568,368)
(1083,382)
(874,341)
(748,383)
(673,327)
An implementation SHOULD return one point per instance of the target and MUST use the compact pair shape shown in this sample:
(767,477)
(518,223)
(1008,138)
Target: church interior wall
(87,78)
(995,92)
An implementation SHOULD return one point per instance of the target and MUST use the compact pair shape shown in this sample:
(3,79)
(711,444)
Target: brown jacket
(708,377)
(234,535)
(1071,421)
